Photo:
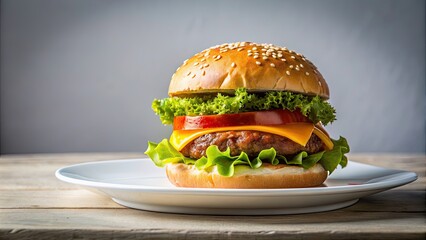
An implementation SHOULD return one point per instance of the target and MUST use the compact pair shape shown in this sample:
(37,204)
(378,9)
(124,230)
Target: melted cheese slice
(297,132)
(324,138)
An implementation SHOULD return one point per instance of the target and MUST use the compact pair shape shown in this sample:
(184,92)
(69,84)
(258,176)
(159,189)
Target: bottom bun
(267,176)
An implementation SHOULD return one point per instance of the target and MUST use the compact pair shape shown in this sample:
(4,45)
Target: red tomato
(273,117)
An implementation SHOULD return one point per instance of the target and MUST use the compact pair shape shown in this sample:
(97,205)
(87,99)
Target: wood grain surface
(35,205)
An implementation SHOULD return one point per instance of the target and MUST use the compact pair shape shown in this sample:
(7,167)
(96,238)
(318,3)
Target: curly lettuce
(164,153)
(313,107)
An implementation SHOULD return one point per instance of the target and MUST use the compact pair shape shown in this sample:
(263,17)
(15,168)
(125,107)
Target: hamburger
(247,115)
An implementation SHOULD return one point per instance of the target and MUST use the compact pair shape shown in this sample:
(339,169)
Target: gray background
(80,76)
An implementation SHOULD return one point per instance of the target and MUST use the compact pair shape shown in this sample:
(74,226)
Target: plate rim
(404,177)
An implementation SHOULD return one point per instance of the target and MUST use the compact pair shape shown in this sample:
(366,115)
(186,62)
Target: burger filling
(229,143)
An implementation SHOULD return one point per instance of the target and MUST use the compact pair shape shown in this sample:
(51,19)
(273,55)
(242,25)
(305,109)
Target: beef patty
(250,142)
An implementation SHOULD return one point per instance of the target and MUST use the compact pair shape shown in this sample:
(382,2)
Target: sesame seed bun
(267,176)
(256,67)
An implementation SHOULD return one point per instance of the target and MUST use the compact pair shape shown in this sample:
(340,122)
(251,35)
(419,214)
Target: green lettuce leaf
(315,108)
(329,158)
(164,153)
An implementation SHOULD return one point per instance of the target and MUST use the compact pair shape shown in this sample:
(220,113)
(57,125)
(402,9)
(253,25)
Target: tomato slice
(272,117)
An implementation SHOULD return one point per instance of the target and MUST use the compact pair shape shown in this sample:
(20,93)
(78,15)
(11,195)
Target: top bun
(256,67)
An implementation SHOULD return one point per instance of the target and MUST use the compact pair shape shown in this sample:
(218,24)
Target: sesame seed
(233,64)
(301,65)
(254,48)
(265,58)
(189,73)
(193,75)
(203,60)
(249,54)
(206,65)
(196,63)
(307,74)
(291,66)
(256,56)
(319,83)
(283,59)
(204,73)
(293,57)
(201,67)
(272,65)
(240,49)
(297,68)
(287,72)
(258,63)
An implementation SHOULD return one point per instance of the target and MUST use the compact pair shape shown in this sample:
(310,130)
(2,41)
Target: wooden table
(35,205)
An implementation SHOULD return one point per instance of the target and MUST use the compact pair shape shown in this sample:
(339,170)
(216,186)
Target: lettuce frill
(313,107)
(164,153)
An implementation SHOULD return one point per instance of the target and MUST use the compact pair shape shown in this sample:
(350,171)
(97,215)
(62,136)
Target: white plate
(138,183)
